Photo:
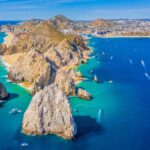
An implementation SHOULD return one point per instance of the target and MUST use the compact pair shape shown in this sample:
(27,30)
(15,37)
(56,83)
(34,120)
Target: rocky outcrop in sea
(84,94)
(49,113)
(3,93)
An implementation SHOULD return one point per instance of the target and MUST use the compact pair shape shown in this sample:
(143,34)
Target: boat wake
(143,64)
(131,62)
(111,57)
(99,115)
(147,75)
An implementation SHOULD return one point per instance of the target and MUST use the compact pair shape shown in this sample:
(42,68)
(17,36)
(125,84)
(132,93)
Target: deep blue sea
(9,22)
(117,118)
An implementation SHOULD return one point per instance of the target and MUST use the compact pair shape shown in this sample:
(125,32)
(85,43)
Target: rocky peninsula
(43,60)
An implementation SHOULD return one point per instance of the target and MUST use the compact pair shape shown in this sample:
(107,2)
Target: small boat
(24,144)
(95,79)
(103,53)
(91,71)
(111,57)
(15,111)
(110,81)
(8,81)
(75,110)
(130,61)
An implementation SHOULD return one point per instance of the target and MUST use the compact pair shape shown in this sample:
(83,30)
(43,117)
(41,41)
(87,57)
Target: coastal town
(98,27)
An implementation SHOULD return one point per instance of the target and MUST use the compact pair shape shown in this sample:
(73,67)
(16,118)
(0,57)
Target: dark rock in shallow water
(3,93)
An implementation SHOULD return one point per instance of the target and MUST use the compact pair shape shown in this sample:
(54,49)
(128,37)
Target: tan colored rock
(33,68)
(65,82)
(84,94)
(55,57)
(49,113)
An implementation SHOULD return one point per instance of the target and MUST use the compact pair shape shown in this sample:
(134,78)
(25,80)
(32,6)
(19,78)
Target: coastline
(9,60)
(121,36)
(8,38)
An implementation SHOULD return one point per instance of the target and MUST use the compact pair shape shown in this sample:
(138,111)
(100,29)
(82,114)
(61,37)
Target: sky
(74,9)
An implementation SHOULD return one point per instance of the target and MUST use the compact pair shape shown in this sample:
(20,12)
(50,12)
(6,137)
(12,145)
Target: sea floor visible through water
(117,118)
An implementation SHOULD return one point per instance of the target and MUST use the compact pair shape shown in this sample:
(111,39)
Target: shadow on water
(87,125)
(10,97)
(13,96)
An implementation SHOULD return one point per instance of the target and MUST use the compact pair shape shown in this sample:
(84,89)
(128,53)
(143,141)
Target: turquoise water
(117,118)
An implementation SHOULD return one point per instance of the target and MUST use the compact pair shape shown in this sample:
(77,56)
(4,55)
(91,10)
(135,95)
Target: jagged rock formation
(3,92)
(61,22)
(65,82)
(47,55)
(49,113)
(40,36)
(65,53)
(33,68)
(2,49)
(84,94)
(45,50)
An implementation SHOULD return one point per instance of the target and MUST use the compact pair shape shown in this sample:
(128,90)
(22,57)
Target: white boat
(15,111)
(24,144)
(75,110)
(110,81)
(95,78)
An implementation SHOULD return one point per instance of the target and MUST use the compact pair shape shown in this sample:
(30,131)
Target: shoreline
(121,36)
(8,39)
(9,60)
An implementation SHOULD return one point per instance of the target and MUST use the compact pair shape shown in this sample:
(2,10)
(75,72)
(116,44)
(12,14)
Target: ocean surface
(9,22)
(117,118)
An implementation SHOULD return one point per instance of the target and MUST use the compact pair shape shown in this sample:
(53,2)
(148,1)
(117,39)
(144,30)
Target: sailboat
(95,79)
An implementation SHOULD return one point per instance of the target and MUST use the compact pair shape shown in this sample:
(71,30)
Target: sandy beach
(11,59)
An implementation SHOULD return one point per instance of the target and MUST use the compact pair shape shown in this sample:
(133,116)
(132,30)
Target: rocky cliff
(45,50)
(3,92)
(32,67)
(65,82)
(61,22)
(49,113)
(46,65)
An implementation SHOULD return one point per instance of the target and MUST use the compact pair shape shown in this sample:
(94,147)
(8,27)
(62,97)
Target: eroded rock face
(3,92)
(33,68)
(84,94)
(65,82)
(49,113)
(65,53)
